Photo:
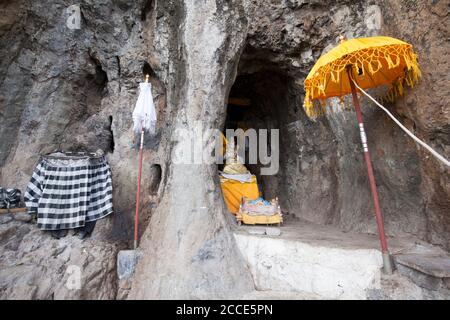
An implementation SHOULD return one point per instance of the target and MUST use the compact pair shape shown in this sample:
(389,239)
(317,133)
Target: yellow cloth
(234,190)
(224,144)
(375,61)
(259,219)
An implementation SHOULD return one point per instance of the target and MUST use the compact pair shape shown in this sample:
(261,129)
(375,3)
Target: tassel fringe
(367,61)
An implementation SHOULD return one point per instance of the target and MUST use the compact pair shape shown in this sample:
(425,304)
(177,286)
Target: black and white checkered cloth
(67,192)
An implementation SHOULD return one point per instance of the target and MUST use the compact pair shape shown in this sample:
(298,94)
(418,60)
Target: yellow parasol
(363,63)
(375,61)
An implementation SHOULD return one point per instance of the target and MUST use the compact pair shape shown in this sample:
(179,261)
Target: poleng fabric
(67,193)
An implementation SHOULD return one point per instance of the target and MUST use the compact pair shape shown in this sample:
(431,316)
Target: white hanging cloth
(144,114)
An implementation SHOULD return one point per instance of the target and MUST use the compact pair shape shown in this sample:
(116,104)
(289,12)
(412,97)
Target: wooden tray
(245,218)
(13,210)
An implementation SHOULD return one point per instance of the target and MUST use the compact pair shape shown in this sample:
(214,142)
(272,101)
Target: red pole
(373,186)
(136,218)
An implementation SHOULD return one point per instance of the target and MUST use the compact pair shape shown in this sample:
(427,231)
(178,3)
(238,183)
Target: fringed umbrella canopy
(375,61)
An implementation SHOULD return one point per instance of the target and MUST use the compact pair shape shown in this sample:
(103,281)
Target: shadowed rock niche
(322,176)
(305,182)
(89,128)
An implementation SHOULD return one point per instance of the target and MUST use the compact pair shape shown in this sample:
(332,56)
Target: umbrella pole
(136,218)
(373,187)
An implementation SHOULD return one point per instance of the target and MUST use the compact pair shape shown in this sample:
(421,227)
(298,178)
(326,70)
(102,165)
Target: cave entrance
(264,100)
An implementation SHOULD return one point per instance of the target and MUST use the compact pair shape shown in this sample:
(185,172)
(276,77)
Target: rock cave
(223,62)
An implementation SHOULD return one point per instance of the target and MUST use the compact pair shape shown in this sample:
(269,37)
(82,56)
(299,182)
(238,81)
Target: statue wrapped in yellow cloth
(236,181)
(241,193)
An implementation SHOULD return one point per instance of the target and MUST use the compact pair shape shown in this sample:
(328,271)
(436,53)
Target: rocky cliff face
(72,89)
(75,89)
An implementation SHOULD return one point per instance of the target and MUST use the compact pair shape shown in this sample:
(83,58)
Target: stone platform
(321,260)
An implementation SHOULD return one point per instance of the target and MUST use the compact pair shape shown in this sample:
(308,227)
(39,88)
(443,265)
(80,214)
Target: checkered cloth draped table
(67,192)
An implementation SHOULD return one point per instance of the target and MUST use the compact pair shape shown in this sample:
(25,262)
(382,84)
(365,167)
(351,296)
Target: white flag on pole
(144,114)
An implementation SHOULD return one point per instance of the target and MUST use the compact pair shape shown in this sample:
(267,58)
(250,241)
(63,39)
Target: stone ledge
(434,265)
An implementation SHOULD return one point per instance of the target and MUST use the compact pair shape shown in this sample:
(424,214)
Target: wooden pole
(138,193)
(13,210)
(373,187)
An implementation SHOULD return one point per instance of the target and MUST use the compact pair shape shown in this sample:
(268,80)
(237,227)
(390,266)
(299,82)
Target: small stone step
(428,271)
(256,231)
(126,262)
(434,265)
(273,232)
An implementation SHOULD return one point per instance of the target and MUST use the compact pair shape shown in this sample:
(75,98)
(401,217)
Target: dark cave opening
(265,101)
(156,176)
(147,69)
(146,9)
(96,88)
(111,143)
